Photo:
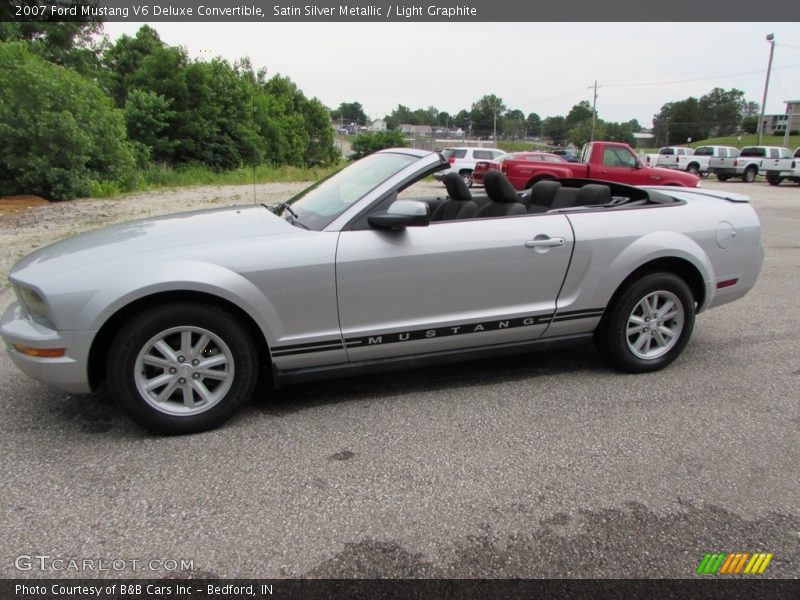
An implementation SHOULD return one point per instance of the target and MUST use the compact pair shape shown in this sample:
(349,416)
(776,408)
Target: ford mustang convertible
(182,314)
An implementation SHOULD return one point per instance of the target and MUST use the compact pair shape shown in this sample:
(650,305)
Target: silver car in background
(182,314)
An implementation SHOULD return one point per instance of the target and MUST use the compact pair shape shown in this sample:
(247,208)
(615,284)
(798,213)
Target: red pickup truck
(609,161)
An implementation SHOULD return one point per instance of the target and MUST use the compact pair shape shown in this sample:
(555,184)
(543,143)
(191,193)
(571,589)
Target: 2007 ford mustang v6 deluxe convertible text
(182,314)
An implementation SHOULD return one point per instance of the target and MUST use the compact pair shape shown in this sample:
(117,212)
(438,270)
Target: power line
(759,71)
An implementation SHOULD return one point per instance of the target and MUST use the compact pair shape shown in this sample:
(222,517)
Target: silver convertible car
(182,314)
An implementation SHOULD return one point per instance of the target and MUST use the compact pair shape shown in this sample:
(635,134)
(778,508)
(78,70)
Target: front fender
(180,275)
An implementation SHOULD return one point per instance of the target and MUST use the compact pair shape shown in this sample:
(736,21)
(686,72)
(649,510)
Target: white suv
(463,161)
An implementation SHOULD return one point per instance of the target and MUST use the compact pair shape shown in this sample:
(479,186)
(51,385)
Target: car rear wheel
(182,368)
(749,175)
(773,180)
(650,324)
(722,178)
(467,177)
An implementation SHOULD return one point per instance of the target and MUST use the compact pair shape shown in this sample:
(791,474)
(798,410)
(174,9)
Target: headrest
(499,188)
(543,192)
(593,193)
(456,188)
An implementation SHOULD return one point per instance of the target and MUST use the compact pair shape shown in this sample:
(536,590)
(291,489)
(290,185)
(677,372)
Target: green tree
(124,59)
(722,110)
(582,111)
(514,124)
(350,112)
(533,125)
(59,132)
(553,127)
(485,112)
(70,44)
(368,143)
(750,124)
(581,132)
(147,116)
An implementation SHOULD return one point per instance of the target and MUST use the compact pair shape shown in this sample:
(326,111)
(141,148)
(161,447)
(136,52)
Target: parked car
(463,161)
(751,161)
(609,161)
(181,314)
(487,165)
(784,169)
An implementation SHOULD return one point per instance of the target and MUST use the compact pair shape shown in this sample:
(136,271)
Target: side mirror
(639,164)
(401,214)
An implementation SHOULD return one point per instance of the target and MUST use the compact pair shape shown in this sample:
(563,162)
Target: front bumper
(69,372)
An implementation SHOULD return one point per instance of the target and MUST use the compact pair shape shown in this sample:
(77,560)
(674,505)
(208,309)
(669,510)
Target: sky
(534,67)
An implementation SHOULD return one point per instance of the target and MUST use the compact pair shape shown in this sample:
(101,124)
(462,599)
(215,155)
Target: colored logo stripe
(730,564)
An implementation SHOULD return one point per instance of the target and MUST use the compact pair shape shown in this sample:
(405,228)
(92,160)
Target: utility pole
(788,125)
(594,111)
(771,40)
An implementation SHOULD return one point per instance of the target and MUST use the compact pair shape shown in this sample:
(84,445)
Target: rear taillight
(735,163)
(451,160)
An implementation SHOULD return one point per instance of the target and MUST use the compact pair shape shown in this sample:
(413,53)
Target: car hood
(148,235)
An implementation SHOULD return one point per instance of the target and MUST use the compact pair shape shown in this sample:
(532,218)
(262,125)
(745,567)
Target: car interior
(549,195)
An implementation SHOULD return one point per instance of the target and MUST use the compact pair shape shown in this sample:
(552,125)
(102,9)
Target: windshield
(318,206)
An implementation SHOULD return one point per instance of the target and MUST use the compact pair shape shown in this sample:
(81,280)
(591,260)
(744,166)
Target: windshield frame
(293,211)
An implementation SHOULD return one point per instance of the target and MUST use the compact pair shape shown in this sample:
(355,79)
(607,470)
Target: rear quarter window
(454,153)
(482,154)
(753,153)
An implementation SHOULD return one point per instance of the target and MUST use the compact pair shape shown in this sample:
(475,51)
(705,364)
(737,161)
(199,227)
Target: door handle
(545,242)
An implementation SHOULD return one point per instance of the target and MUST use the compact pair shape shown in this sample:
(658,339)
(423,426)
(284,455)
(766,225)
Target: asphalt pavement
(542,465)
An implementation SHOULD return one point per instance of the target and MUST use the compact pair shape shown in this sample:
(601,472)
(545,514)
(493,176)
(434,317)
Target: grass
(163,176)
(749,140)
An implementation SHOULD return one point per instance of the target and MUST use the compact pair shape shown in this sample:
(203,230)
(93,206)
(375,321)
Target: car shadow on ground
(97,413)
(583,359)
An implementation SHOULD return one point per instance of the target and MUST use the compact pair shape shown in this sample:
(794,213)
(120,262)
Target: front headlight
(34,304)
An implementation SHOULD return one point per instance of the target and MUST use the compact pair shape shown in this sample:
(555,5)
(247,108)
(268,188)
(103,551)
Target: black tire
(749,175)
(614,340)
(722,177)
(773,180)
(227,385)
(466,175)
(693,169)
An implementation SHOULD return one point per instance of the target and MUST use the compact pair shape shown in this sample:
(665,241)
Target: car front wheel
(182,368)
(750,175)
(467,177)
(650,323)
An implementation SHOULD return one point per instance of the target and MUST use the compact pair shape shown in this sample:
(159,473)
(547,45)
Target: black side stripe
(434,332)
(306,348)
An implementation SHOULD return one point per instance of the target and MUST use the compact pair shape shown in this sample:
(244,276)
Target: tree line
(78,113)
(719,112)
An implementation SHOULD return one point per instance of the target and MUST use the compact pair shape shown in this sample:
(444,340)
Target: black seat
(503,198)
(588,195)
(592,194)
(566,197)
(459,205)
(542,195)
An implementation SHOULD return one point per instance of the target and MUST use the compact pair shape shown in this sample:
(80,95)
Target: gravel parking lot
(543,465)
